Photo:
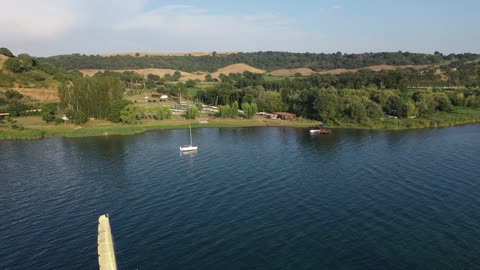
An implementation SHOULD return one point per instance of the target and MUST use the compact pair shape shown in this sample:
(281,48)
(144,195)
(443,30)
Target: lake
(251,198)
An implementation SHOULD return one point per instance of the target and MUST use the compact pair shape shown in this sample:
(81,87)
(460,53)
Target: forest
(265,60)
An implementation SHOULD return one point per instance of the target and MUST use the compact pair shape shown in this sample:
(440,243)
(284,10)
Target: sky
(53,27)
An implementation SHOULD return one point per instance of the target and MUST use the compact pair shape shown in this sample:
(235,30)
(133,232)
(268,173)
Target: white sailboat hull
(188,148)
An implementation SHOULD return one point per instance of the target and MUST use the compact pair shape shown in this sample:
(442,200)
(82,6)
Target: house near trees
(285,115)
(4,116)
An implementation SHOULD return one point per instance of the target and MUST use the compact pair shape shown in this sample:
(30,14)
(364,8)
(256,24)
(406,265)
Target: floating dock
(106,251)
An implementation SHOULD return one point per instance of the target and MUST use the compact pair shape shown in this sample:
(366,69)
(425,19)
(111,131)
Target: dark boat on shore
(322,129)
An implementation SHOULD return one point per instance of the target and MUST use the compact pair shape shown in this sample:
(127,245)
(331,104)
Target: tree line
(268,60)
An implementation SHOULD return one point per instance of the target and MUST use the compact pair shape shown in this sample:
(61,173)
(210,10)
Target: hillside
(3,58)
(146,71)
(164,54)
(237,68)
(269,61)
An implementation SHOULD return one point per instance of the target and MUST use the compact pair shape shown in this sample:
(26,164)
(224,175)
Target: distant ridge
(283,63)
(142,54)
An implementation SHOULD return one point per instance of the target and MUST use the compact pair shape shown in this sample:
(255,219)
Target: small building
(272,115)
(286,116)
(162,97)
(4,116)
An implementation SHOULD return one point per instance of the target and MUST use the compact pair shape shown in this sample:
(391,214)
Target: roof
(4,114)
(285,114)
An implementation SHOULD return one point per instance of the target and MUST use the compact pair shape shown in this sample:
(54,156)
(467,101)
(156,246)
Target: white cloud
(35,19)
(91,26)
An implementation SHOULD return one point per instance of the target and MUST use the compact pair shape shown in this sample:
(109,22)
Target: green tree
(49,111)
(192,112)
(15,107)
(14,65)
(396,106)
(47,68)
(176,75)
(190,83)
(374,110)
(270,101)
(443,102)
(409,109)
(224,110)
(6,52)
(162,113)
(208,78)
(234,110)
(91,95)
(326,104)
(28,62)
(12,94)
(250,110)
(358,112)
(131,114)
(472,101)
(116,108)
(153,77)
(80,118)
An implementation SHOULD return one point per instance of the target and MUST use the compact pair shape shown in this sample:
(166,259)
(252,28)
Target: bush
(18,127)
(14,65)
(49,111)
(116,108)
(47,68)
(11,94)
(130,114)
(15,107)
(6,80)
(163,113)
(6,52)
(58,121)
(81,118)
(48,117)
(250,110)
(192,112)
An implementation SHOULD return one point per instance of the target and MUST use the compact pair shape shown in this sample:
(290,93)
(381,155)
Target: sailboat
(191,147)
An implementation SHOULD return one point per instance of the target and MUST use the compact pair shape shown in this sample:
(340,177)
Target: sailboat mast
(191,142)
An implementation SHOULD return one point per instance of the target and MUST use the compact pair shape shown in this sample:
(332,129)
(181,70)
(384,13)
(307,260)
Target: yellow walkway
(106,252)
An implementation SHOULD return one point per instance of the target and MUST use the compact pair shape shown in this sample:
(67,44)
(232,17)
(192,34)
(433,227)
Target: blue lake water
(251,198)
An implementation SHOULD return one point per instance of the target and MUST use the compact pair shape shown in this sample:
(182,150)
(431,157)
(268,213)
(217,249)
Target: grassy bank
(35,128)
(458,116)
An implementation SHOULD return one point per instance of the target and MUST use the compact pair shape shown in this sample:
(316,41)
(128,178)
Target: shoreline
(35,130)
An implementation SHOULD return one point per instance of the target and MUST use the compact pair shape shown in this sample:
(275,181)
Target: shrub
(15,107)
(6,80)
(130,114)
(163,113)
(47,68)
(116,108)
(6,52)
(49,111)
(18,127)
(11,94)
(192,112)
(58,121)
(81,118)
(48,117)
(14,65)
